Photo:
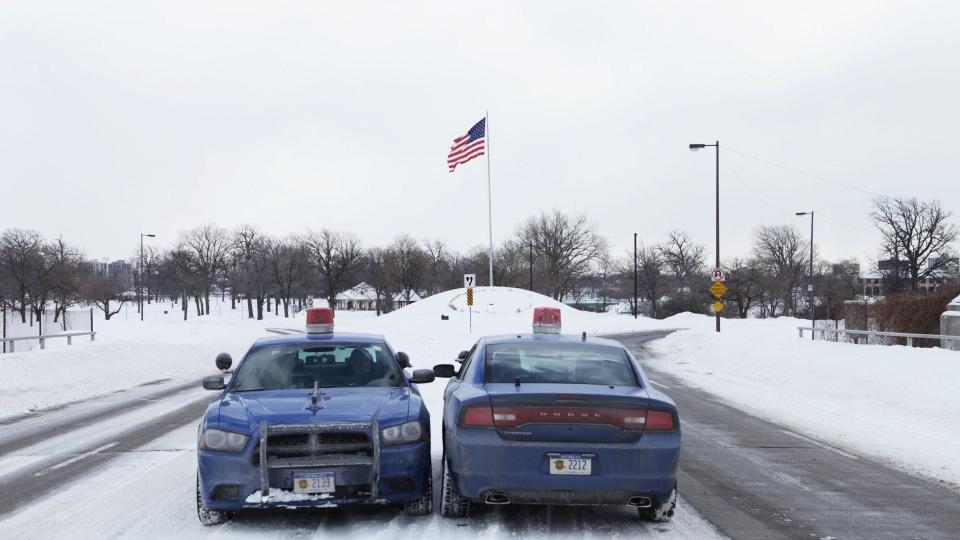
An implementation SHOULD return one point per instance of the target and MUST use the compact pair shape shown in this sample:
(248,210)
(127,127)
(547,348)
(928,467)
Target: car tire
(452,504)
(424,505)
(207,516)
(663,511)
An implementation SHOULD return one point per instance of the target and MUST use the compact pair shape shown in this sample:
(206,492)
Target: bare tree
(377,265)
(916,232)
(336,256)
(209,247)
(783,255)
(684,257)
(105,292)
(21,262)
(744,285)
(408,262)
(568,246)
(289,263)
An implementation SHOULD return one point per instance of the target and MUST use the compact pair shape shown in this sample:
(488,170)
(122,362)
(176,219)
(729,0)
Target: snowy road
(124,466)
(757,479)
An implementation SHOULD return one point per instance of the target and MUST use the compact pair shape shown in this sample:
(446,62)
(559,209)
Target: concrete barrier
(950,324)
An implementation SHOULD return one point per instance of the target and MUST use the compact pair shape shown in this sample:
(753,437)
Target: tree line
(561,255)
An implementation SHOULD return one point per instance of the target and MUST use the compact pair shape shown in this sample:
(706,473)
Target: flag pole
(486,121)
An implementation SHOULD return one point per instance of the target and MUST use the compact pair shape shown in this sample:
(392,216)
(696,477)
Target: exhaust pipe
(495,497)
(640,502)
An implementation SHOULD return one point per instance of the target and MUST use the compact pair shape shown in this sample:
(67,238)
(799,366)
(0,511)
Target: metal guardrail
(68,335)
(876,333)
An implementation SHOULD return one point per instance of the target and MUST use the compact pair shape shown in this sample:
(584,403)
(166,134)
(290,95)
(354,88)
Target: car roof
(556,338)
(308,339)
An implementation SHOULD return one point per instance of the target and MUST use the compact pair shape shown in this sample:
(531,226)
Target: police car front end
(317,420)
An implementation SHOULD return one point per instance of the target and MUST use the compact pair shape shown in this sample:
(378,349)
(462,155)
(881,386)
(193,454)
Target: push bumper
(256,478)
(483,464)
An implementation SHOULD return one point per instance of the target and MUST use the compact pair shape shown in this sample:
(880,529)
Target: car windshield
(280,367)
(558,363)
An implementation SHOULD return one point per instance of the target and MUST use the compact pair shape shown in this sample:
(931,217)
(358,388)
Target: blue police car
(545,418)
(317,419)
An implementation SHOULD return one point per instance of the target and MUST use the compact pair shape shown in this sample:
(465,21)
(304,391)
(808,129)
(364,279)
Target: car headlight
(404,433)
(223,441)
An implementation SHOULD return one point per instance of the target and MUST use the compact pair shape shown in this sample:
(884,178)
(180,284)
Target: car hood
(245,410)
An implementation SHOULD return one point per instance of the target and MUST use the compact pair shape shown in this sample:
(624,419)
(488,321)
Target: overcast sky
(122,117)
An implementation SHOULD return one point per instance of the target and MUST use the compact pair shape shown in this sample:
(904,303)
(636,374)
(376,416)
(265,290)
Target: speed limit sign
(469,281)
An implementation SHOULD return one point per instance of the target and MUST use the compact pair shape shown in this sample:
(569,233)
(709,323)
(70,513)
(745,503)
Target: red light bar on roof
(319,320)
(546,320)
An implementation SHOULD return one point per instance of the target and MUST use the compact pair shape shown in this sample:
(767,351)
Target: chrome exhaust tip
(495,497)
(640,502)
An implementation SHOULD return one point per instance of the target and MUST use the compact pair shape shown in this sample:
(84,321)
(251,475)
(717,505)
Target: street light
(636,307)
(693,148)
(140,281)
(813,311)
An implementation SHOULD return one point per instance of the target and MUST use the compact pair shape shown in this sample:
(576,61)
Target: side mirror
(213,382)
(444,371)
(404,360)
(224,361)
(422,376)
(463,356)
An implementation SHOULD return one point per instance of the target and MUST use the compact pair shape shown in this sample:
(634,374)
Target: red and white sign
(717,274)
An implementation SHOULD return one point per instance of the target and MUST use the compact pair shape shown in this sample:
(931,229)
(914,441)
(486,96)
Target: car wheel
(207,516)
(451,503)
(424,505)
(663,511)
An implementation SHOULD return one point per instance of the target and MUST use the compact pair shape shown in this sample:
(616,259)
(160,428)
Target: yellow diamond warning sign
(717,307)
(718,289)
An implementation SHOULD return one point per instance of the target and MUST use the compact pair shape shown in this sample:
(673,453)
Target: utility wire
(743,182)
(802,173)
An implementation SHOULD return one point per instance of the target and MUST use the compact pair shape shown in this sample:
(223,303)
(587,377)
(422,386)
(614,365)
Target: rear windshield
(565,363)
(282,367)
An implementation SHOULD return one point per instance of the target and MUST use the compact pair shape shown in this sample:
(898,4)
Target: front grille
(312,445)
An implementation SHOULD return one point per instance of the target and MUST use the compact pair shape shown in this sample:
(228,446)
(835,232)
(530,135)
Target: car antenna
(313,397)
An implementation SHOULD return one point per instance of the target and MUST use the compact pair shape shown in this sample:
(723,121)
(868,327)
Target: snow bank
(894,403)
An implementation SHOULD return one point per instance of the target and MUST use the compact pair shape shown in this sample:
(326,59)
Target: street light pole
(140,280)
(813,311)
(716,145)
(636,308)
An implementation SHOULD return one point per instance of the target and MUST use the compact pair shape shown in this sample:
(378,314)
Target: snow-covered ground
(893,403)
(896,403)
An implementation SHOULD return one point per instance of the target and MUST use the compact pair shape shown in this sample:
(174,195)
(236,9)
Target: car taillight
(477,416)
(660,421)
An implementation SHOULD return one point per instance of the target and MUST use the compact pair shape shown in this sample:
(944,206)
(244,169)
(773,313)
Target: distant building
(97,268)
(360,297)
(121,270)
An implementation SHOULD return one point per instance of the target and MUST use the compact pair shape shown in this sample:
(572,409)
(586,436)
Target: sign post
(469,280)
(718,289)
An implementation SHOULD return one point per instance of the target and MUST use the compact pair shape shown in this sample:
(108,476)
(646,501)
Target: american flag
(469,146)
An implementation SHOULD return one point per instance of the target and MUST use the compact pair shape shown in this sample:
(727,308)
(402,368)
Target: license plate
(321,482)
(571,464)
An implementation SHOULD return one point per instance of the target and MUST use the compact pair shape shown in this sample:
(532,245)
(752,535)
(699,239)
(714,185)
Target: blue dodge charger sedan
(317,419)
(546,418)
